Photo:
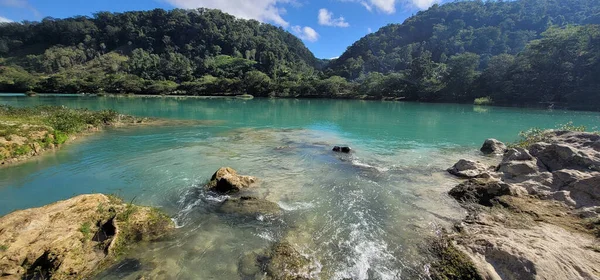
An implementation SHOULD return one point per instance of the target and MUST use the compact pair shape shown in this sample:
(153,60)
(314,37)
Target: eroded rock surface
(226,180)
(531,220)
(70,239)
(469,169)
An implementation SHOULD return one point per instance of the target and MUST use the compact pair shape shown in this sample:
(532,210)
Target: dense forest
(526,52)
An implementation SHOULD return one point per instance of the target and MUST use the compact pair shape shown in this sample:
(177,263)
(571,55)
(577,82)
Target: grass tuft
(483,101)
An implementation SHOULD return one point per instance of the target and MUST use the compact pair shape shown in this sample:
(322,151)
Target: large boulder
(493,146)
(250,206)
(70,239)
(469,169)
(226,180)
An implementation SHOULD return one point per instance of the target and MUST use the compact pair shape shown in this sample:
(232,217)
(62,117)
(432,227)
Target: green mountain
(523,52)
(506,52)
(205,49)
(484,28)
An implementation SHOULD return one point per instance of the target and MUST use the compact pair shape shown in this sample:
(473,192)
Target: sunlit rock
(226,180)
(70,239)
(493,146)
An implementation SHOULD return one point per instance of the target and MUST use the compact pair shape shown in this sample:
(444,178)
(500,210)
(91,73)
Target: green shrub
(535,135)
(60,137)
(482,101)
(86,230)
(22,150)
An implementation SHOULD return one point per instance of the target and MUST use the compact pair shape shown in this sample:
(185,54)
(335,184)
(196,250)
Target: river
(358,216)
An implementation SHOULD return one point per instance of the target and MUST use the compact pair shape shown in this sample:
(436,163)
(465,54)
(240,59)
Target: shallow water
(359,216)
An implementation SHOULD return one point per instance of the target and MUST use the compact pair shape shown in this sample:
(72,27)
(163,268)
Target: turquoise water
(361,216)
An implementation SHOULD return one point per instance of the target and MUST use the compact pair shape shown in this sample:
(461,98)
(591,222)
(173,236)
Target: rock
(468,169)
(516,154)
(345,150)
(250,265)
(583,187)
(568,150)
(226,180)
(493,146)
(514,169)
(37,148)
(249,206)
(285,262)
(589,212)
(70,239)
(480,192)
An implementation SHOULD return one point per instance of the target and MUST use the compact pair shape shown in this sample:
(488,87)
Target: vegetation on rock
(29,131)
(74,238)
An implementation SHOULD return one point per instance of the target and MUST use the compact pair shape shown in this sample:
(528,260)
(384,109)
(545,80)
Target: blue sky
(327,27)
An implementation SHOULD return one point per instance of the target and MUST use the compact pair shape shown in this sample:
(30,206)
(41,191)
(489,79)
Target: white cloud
(3,19)
(326,18)
(305,33)
(261,10)
(21,4)
(424,4)
(389,6)
(370,30)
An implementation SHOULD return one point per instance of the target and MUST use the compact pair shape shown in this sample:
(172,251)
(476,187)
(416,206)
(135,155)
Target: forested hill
(176,46)
(485,28)
(523,52)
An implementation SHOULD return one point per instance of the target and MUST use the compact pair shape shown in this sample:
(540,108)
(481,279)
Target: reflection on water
(357,216)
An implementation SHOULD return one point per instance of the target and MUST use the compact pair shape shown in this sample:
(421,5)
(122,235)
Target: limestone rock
(569,150)
(468,169)
(285,262)
(514,169)
(70,239)
(480,192)
(516,154)
(249,206)
(226,180)
(493,146)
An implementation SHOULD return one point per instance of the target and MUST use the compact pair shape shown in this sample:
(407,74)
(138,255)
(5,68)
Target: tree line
(527,52)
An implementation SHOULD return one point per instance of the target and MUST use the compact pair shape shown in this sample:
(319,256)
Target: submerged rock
(345,150)
(70,239)
(493,146)
(226,180)
(285,262)
(250,206)
(469,169)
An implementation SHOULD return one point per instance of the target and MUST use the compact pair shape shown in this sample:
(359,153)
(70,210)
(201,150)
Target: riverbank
(536,213)
(30,132)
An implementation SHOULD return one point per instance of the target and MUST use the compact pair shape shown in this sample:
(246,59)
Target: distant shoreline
(539,106)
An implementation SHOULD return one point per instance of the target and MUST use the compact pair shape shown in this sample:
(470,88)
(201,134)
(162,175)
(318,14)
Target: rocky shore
(75,238)
(533,215)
